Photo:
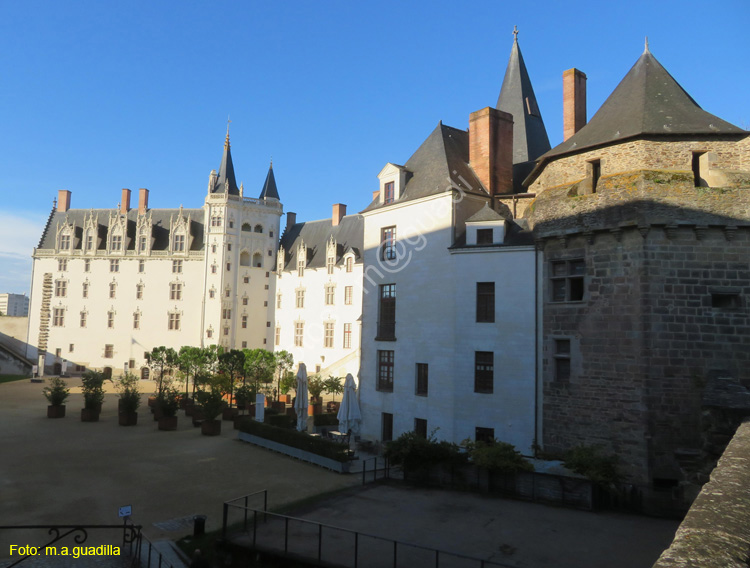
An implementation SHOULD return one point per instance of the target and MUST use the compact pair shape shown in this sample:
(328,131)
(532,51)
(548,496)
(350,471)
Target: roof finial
(226,142)
(271,162)
(646,48)
(515,34)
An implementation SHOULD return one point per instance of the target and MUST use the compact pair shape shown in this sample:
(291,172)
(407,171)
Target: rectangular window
(349,264)
(244,344)
(389,193)
(300,266)
(116,242)
(484,363)
(328,334)
(330,263)
(71,347)
(87,265)
(387,313)
(348,293)
(58,317)
(485,301)
(226,313)
(726,301)
(209,333)
(246,280)
(387,427)
(420,427)
(61,288)
(62,264)
(85,290)
(114,265)
(139,291)
(300,298)
(112,290)
(109,351)
(141,266)
(278,301)
(388,243)
(299,330)
(174,321)
(179,243)
(385,371)
(227,293)
(330,291)
(136,320)
(142,244)
(567,280)
(422,379)
(226,331)
(89,242)
(58,352)
(244,301)
(347,336)
(484,236)
(175,291)
(213,269)
(486,435)
(244,322)
(176,266)
(562,360)
(110,319)
(229,266)
(83,319)
(278,336)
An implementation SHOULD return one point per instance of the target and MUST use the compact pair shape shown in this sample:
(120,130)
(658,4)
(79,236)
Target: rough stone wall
(643,154)
(646,337)
(716,530)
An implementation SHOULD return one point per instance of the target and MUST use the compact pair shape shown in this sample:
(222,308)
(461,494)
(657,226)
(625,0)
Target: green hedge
(326,419)
(281,420)
(296,439)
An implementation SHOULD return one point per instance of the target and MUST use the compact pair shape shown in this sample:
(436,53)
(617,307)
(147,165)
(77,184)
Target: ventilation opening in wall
(699,166)
(725,301)
(596,173)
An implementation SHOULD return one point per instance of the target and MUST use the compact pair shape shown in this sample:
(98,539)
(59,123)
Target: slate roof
(431,168)
(159,232)
(647,102)
(517,97)
(226,172)
(348,234)
(485,214)
(269,187)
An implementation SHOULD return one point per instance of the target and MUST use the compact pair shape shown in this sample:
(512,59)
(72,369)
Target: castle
(591,293)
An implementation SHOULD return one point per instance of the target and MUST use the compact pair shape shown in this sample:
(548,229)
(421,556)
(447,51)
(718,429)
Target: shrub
(56,392)
(296,439)
(168,401)
(497,456)
(130,396)
(315,386)
(589,462)
(412,451)
(93,389)
(325,419)
(281,420)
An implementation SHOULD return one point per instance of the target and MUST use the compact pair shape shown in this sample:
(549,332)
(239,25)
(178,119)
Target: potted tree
(56,394)
(168,403)
(92,389)
(130,400)
(315,386)
(333,386)
(212,401)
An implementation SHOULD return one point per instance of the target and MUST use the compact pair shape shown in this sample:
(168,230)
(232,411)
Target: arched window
(246,227)
(258,229)
(145,373)
(258,260)
(245,259)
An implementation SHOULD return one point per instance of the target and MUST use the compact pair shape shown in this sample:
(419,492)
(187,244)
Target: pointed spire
(645,49)
(225,179)
(269,187)
(517,97)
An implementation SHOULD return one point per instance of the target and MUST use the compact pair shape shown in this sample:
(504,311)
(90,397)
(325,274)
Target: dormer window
(142,243)
(389,195)
(392,182)
(179,243)
(484,236)
(349,264)
(486,227)
(116,242)
(64,242)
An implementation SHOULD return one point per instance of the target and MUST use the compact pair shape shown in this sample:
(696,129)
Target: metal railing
(385,470)
(311,541)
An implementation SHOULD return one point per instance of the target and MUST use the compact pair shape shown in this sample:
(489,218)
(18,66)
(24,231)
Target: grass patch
(12,378)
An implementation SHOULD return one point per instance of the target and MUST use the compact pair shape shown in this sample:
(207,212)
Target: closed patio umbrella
(349,415)
(300,403)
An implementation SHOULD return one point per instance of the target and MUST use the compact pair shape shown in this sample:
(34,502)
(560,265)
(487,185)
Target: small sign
(35,369)
(125,511)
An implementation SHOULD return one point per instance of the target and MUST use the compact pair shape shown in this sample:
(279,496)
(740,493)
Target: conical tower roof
(647,102)
(269,188)
(517,97)
(226,172)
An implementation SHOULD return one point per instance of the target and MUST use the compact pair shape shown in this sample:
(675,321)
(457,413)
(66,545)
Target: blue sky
(97,96)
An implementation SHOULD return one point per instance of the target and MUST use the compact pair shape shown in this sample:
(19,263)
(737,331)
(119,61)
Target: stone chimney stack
(491,149)
(142,201)
(375,195)
(339,212)
(63,200)
(574,102)
(125,201)
(291,219)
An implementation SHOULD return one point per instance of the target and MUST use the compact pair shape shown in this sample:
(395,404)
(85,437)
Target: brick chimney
(63,200)
(491,149)
(375,195)
(291,219)
(339,212)
(142,200)
(125,201)
(574,102)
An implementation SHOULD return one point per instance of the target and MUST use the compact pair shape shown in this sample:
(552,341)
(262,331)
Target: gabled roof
(269,190)
(348,234)
(647,102)
(226,172)
(438,165)
(517,97)
(484,215)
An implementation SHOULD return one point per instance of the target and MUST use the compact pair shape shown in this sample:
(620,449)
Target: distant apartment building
(14,305)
